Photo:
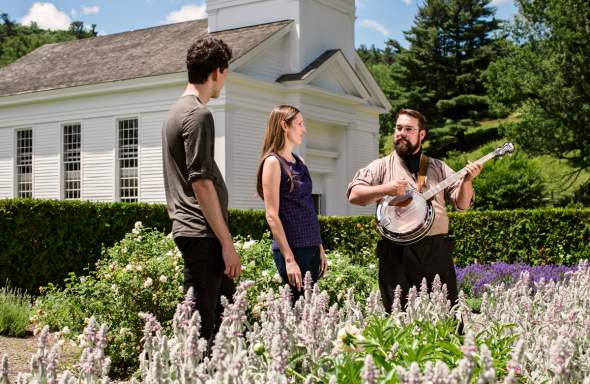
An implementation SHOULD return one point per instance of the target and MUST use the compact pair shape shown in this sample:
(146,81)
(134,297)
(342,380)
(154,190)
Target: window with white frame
(24,163)
(71,161)
(128,160)
(317,203)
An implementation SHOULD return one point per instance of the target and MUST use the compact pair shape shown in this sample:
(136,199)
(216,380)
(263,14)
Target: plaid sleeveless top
(296,211)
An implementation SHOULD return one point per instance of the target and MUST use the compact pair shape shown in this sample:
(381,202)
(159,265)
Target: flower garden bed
(528,329)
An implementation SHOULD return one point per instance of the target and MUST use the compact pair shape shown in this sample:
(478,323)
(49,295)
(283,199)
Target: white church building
(82,119)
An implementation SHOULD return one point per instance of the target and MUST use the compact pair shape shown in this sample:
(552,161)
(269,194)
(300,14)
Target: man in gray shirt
(196,194)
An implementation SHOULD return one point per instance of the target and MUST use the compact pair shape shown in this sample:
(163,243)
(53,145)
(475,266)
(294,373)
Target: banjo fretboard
(454,178)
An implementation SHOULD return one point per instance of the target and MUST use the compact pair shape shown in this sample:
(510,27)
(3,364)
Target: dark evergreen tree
(451,43)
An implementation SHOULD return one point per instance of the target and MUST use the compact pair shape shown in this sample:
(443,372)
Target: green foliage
(451,44)
(15,312)
(144,273)
(259,267)
(59,237)
(380,64)
(374,55)
(464,135)
(508,183)
(343,273)
(546,77)
(141,273)
(17,40)
(391,344)
(349,235)
(42,240)
(248,223)
(536,236)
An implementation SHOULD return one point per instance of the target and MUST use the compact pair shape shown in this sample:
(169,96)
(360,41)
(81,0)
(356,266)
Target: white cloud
(90,10)
(498,2)
(47,16)
(375,25)
(187,12)
(361,3)
(73,12)
(408,2)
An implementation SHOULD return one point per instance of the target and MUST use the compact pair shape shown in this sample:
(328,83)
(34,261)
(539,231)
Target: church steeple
(319,25)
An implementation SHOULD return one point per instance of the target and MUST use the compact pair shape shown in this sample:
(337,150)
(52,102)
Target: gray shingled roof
(310,68)
(128,55)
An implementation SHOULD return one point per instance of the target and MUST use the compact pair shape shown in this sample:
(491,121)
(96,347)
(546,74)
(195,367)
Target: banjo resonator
(407,218)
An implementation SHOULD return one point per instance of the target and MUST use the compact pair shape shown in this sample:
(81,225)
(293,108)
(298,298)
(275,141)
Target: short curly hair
(204,56)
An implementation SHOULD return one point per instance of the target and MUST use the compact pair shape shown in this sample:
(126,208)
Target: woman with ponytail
(284,183)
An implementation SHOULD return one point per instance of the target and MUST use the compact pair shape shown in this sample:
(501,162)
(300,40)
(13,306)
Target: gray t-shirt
(188,144)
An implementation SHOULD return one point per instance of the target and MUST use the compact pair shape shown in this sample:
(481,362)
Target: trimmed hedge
(536,236)
(41,241)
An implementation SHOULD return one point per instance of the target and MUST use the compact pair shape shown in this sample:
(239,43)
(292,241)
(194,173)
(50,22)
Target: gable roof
(122,56)
(332,71)
(305,72)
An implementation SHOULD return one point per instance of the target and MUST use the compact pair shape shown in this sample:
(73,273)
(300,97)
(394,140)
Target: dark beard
(404,148)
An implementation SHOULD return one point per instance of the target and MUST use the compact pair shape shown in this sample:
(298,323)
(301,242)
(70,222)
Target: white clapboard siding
(46,158)
(7,144)
(268,65)
(98,159)
(365,147)
(247,129)
(323,136)
(151,177)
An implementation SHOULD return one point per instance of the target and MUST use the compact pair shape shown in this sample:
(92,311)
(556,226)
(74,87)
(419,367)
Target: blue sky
(377,20)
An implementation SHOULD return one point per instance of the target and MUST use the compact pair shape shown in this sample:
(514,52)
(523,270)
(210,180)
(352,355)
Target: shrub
(141,273)
(59,237)
(343,274)
(521,335)
(540,236)
(15,312)
(42,240)
(144,273)
(350,235)
(508,183)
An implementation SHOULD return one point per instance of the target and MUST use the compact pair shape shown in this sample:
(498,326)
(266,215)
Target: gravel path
(20,351)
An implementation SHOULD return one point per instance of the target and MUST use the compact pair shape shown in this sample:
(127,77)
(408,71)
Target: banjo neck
(429,194)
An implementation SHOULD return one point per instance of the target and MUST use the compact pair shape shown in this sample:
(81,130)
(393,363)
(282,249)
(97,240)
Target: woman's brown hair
(274,139)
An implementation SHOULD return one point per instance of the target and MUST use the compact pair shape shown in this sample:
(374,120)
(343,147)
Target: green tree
(546,77)
(451,43)
(18,40)
(379,62)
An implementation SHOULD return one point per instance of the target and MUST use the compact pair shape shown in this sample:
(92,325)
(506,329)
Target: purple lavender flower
(474,278)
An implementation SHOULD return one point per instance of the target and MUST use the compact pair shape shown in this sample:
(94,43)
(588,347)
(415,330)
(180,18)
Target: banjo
(405,219)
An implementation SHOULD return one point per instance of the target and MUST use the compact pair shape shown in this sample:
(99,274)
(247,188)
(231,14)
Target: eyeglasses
(406,129)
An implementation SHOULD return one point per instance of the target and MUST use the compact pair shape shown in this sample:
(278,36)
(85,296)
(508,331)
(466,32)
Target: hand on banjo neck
(399,190)
(407,218)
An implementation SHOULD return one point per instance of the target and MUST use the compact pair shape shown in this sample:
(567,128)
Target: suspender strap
(422,172)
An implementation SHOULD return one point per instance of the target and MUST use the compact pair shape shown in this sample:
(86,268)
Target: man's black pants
(407,265)
(203,271)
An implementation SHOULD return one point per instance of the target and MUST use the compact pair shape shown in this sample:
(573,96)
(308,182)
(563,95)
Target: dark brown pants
(407,265)
(203,271)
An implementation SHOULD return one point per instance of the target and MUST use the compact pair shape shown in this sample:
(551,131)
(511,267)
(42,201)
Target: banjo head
(404,219)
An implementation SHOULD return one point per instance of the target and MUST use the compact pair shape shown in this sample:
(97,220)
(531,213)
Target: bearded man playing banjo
(394,182)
